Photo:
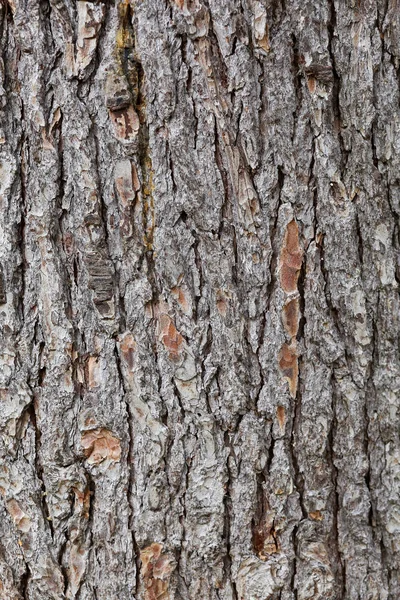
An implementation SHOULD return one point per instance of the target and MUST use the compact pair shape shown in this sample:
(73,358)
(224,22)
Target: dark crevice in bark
(39,468)
(300,286)
(385,557)
(60,558)
(225,221)
(130,459)
(207,397)
(261,335)
(297,83)
(256,389)
(196,123)
(262,110)
(4,8)
(371,399)
(236,124)
(294,440)
(198,263)
(128,56)
(219,67)
(312,185)
(235,268)
(22,224)
(205,353)
(98,55)
(233,45)
(24,582)
(373,147)
(273,234)
(99,263)
(333,311)
(171,166)
(41,375)
(102,207)
(179,401)
(91,486)
(62,232)
(359,239)
(227,518)
(336,496)
(75,270)
(7,52)
(270,455)
(332,28)
(264,538)
(293,583)
(396,234)
(183,517)
(184,58)
(121,309)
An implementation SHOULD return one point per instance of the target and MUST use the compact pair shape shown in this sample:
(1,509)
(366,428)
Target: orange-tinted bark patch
(82,501)
(264,42)
(126,123)
(311,84)
(68,242)
(20,518)
(291,317)
(125,191)
(222,303)
(289,366)
(93,372)
(289,277)
(281,416)
(170,337)
(292,238)
(156,571)
(128,346)
(77,565)
(265,541)
(135,179)
(99,445)
(180,297)
(315,516)
(291,258)
(89,421)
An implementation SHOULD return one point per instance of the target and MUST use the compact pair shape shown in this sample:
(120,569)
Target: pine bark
(199,300)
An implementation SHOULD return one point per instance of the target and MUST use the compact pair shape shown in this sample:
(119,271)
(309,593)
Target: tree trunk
(200,372)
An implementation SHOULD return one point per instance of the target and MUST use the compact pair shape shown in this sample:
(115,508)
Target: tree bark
(199,300)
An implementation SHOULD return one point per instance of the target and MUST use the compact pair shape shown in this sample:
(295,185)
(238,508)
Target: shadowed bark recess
(199,300)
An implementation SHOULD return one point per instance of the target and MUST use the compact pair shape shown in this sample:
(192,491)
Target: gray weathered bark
(200,381)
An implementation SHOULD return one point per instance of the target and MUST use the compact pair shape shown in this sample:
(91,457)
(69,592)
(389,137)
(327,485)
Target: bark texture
(199,300)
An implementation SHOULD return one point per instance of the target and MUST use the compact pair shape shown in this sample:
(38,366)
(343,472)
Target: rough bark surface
(199,300)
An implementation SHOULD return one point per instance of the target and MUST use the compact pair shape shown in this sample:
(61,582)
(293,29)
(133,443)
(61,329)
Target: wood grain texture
(199,300)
